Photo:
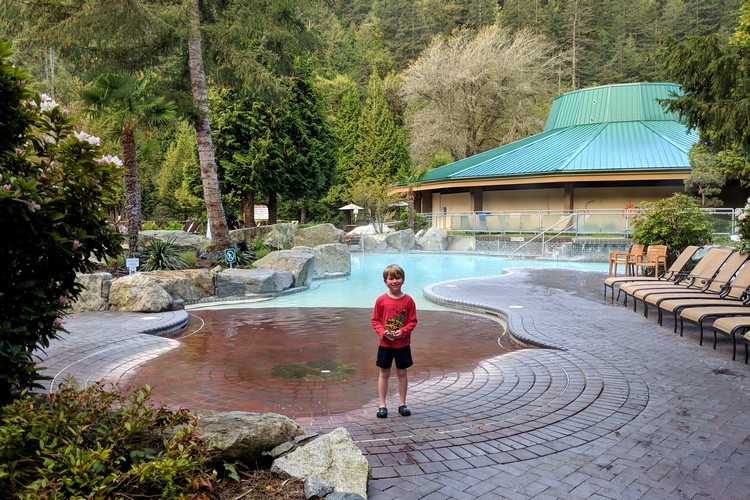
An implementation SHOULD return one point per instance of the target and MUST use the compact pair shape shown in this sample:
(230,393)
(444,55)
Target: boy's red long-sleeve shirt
(392,314)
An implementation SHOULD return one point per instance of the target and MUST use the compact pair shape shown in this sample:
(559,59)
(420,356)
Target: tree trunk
(273,207)
(211,194)
(132,187)
(303,214)
(250,210)
(410,208)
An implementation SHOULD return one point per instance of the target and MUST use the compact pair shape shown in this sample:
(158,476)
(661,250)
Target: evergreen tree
(381,151)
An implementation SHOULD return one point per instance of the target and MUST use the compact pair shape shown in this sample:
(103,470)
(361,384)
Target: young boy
(393,318)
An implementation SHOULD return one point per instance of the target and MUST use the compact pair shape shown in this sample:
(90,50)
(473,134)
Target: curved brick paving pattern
(623,409)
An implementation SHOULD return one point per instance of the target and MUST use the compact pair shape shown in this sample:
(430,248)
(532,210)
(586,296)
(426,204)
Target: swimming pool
(362,287)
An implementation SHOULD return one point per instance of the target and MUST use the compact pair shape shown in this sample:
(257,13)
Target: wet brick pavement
(616,407)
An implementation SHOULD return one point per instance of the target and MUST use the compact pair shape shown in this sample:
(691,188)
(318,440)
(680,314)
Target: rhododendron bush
(54,179)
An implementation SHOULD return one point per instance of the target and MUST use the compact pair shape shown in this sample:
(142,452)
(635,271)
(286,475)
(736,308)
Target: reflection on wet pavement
(305,362)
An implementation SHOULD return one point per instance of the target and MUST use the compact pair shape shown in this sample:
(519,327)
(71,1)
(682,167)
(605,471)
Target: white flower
(84,137)
(47,103)
(109,159)
(742,216)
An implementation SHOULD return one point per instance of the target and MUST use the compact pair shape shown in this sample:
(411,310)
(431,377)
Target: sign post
(230,255)
(132,264)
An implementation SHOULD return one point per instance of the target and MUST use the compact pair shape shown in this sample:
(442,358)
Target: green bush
(55,183)
(677,222)
(95,443)
(189,257)
(161,255)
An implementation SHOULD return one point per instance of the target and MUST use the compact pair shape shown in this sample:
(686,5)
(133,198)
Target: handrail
(543,232)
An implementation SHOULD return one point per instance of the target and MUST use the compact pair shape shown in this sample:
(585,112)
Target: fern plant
(162,255)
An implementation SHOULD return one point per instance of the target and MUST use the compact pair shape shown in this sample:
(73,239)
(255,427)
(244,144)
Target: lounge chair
(699,277)
(678,270)
(701,315)
(733,326)
(624,257)
(728,288)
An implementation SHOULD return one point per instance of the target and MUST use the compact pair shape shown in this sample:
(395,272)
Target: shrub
(94,443)
(54,185)
(677,222)
(189,257)
(161,255)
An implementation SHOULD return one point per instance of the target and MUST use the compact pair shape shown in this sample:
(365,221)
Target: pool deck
(621,408)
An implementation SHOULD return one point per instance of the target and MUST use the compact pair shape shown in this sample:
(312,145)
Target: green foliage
(420,221)
(677,222)
(53,184)
(189,257)
(161,255)
(93,443)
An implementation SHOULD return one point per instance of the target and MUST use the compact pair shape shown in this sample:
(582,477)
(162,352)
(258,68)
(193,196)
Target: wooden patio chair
(654,258)
(733,326)
(679,269)
(624,257)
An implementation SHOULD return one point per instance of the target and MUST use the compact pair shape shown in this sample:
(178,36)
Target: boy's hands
(393,335)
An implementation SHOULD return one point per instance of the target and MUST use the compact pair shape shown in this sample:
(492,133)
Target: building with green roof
(602,148)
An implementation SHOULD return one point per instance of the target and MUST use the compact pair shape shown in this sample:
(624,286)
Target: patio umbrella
(351,206)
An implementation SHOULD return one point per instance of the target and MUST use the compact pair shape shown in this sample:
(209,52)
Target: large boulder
(278,236)
(245,437)
(333,259)
(139,293)
(242,282)
(433,239)
(183,240)
(94,294)
(332,457)
(189,285)
(376,243)
(300,263)
(321,234)
(401,241)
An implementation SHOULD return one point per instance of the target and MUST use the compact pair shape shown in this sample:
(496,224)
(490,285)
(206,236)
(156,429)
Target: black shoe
(383,412)
(404,411)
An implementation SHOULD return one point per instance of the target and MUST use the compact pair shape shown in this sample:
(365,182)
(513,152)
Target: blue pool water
(365,283)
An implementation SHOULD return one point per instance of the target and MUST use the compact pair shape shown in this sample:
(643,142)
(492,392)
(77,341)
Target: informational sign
(230,255)
(132,264)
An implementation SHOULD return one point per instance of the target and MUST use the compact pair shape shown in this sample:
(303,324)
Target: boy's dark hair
(393,271)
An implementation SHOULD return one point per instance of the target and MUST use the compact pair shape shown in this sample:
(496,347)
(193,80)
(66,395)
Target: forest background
(315,104)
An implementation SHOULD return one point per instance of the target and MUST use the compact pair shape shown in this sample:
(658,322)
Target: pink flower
(58,322)
(76,244)
(63,300)
(34,206)
(6,187)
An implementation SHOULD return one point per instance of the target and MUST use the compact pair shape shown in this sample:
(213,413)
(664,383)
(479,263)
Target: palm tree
(123,101)
(411,179)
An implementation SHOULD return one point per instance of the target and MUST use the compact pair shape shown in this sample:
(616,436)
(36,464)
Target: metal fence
(606,223)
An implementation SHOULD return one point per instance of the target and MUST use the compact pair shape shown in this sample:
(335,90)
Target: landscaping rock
(317,488)
(321,234)
(331,457)
(189,285)
(95,292)
(278,236)
(401,241)
(333,259)
(241,282)
(376,243)
(300,263)
(241,436)
(139,293)
(433,240)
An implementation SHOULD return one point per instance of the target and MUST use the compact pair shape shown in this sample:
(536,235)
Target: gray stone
(278,236)
(300,263)
(341,495)
(401,241)
(433,240)
(189,285)
(241,282)
(320,234)
(95,292)
(332,259)
(139,293)
(317,488)
(186,241)
(376,243)
(332,457)
(241,436)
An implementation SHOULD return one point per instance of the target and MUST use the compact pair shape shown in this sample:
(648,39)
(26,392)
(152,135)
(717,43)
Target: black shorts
(402,355)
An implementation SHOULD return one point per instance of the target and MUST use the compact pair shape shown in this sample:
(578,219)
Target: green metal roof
(613,128)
